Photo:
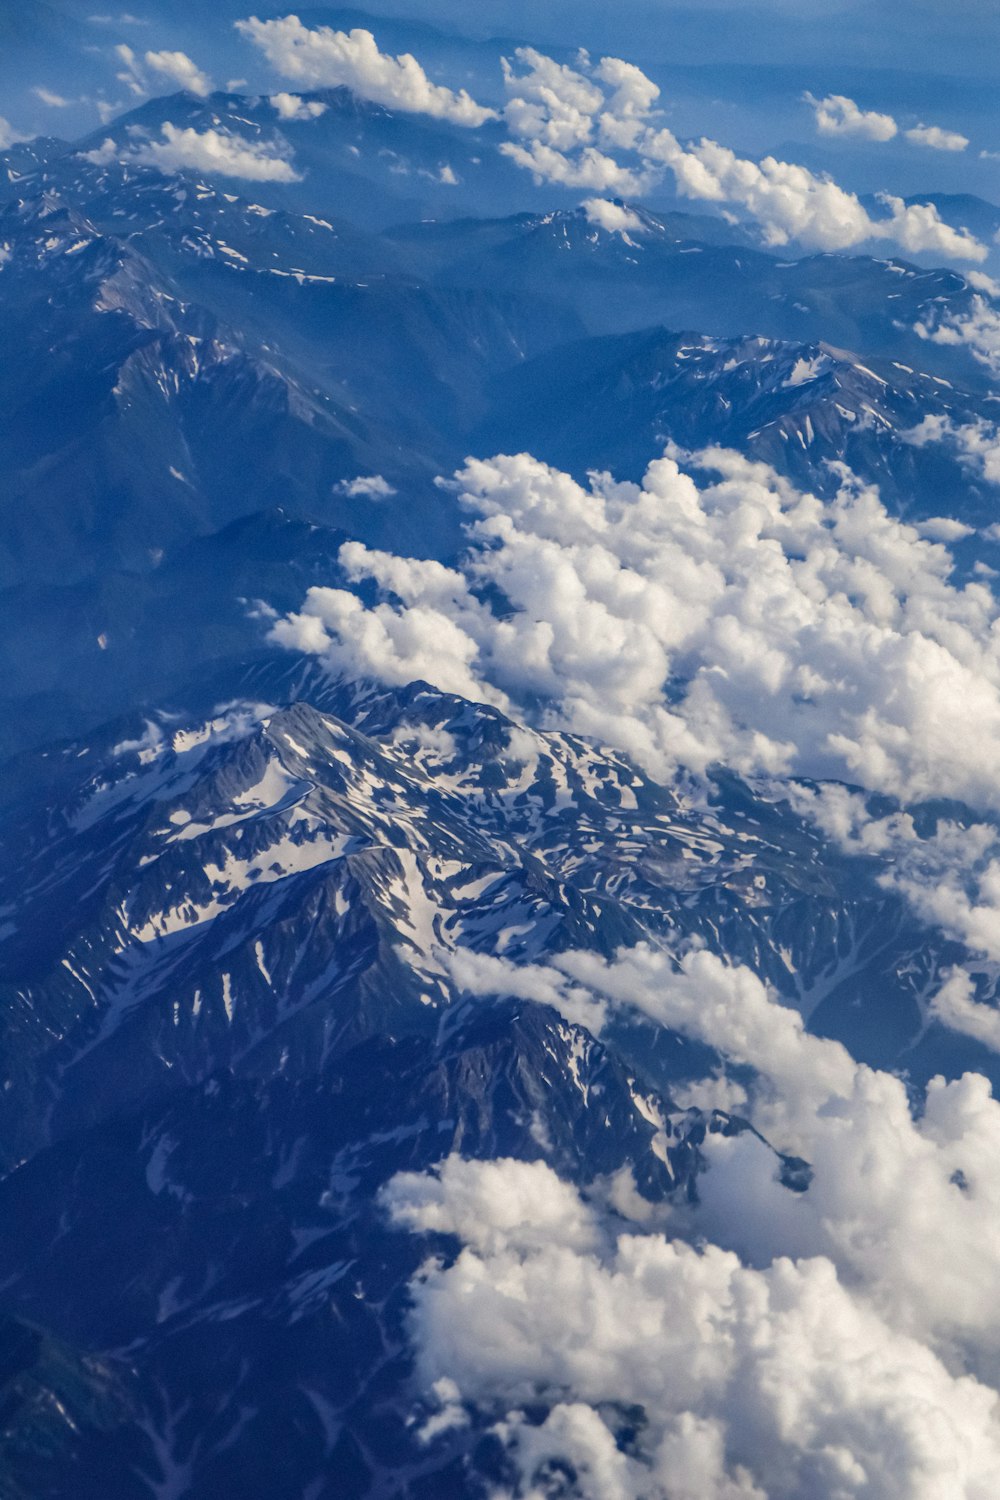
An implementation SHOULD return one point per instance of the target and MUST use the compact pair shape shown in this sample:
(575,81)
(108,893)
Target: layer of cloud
(596,127)
(732,620)
(948,872)
(842,1341)
(838,115)
(179,69)
(217,153)
(665,1371)
(320,57)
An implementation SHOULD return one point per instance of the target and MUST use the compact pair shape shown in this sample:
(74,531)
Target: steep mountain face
(237,1010)
(669,272)
(355,158)
(117,440)
(801,408)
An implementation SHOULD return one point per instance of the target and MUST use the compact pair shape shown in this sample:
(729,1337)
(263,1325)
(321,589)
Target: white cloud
(549,102)
(750,1384)
(737,621)
(8,135)
(214,152)
(589,168)
(614,218)
(131,74)
(484,974)
(954,1006)
(976,445)
(978,331)
(838,115)
(568,124)
(950,876)
(790,202)
(179,68)
(293,107)
(54,101)
(368,486)
(936,138)
(324,58)
(944,529)
(900,1225)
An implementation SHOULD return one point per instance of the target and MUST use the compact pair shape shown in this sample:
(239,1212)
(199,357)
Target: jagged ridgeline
(286,947)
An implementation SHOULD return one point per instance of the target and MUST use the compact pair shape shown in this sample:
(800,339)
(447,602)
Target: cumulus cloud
(179,68)
(976,445)
(732,620)
(570,126)
(214,152)
(368,487)
(936,138)
(956,1007)
(838,115)
(950,875)
(589,169)
(614,218)
(731,1383)
(981,282)
(323,58)
(294,107)
(978,331)
(841,1341)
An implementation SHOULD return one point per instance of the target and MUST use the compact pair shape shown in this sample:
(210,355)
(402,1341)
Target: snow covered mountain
(377,819)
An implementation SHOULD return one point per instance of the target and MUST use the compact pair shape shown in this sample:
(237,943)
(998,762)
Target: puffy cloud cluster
(736,621)
(976,445)
(180,69)
(570,126)
(838,1342)
(838,115)
(319,57)
(671,1373)
(294,107)
(950,876)
(220,153)
(595,127)
(978,330)
(613,218)
(367,487)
